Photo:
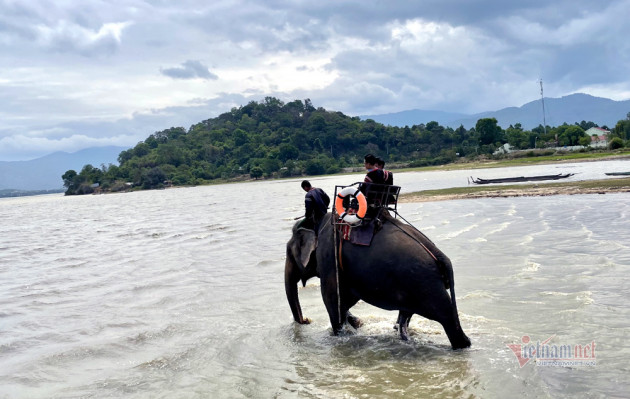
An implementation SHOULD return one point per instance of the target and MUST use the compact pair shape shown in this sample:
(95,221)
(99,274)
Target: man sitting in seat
(387,175)
(374,174)
(373,186)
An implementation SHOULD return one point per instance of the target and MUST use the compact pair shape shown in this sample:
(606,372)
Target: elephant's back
(392,248)
(391,271)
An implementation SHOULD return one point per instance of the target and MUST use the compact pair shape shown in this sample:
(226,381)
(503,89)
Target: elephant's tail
(451,283)
(451,287)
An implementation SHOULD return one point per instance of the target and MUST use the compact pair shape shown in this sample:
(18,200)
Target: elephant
(401,270)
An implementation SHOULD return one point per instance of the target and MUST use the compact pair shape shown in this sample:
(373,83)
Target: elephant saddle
(359,235)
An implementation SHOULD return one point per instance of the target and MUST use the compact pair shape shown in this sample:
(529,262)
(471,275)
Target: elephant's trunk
(292,276)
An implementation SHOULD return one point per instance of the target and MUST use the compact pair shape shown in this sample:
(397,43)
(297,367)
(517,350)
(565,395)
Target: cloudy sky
(77,74)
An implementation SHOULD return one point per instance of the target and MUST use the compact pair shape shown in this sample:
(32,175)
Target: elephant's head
(300,265)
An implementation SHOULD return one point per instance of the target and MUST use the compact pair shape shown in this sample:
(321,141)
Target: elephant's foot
(304,320)
(460,342)
(354,321)
(403,325)
(404,333)
(457,337)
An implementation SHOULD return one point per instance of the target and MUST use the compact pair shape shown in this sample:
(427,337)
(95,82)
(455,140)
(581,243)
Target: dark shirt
(389,177)
(378,195)
(316,203)
(375,176)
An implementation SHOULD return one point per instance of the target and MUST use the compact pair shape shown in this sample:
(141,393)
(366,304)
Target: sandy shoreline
(539,191)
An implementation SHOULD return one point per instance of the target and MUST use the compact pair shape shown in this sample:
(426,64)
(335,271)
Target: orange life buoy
(344,214)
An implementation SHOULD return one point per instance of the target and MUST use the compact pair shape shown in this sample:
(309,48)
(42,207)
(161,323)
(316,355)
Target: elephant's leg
(399,320)
(403,324)
(331,300)
(354,321)
(442,310)
(454,331)
(336,308)
(347,301)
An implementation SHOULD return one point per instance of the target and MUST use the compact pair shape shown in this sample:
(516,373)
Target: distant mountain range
(570,109)
(45,173)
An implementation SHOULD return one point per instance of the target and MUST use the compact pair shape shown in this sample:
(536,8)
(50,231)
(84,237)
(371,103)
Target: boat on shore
(618,174)
(520,179)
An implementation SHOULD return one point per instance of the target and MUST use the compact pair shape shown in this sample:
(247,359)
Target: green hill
(273,139)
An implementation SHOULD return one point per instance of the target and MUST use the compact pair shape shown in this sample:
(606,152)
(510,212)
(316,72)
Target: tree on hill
(490,133)
(256,172)
(569,135)
(622,129)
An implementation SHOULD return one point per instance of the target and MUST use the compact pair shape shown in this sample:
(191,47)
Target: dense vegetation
(274,139)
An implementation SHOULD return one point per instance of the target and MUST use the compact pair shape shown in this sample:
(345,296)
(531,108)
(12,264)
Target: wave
(531,266)
(457,233)
(479,294)
(583,297)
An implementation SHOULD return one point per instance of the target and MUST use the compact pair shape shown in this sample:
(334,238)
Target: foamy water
(179,293)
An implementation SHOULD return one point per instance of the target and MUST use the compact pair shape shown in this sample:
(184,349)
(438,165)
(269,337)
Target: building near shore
(599,136)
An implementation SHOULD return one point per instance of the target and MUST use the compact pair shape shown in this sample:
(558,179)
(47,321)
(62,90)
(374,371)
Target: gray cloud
(94,71)
(67,37)
(189,70)
(16,144)
(44,26)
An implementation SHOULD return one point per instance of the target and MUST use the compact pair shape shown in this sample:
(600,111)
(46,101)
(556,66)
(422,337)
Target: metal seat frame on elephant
(379,197)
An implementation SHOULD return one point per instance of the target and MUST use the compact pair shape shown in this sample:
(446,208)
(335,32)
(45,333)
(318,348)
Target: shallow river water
(179,293)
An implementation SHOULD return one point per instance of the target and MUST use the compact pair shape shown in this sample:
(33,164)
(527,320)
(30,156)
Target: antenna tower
(542,97)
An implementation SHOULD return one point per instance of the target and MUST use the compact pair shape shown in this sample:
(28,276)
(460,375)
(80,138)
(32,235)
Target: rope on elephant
(340,262)
(414,238)
(337,268)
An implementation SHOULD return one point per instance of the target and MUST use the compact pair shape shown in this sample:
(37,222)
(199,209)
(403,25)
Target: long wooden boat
(521,179)
(618,174)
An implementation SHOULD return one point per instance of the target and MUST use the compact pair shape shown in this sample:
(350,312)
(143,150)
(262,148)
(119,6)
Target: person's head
(370,161)
(380,163)
(306,185)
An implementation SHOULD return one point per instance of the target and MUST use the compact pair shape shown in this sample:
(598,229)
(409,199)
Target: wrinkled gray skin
(395,273)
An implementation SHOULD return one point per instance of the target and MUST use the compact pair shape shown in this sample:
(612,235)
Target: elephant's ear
(303,247)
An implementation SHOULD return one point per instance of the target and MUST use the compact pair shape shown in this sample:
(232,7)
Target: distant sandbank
(522,190)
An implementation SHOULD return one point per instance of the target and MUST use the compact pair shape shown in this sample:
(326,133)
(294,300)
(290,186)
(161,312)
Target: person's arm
(308,206)
(325,198)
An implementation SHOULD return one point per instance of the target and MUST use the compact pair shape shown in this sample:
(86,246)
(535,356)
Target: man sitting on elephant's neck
(316,203)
